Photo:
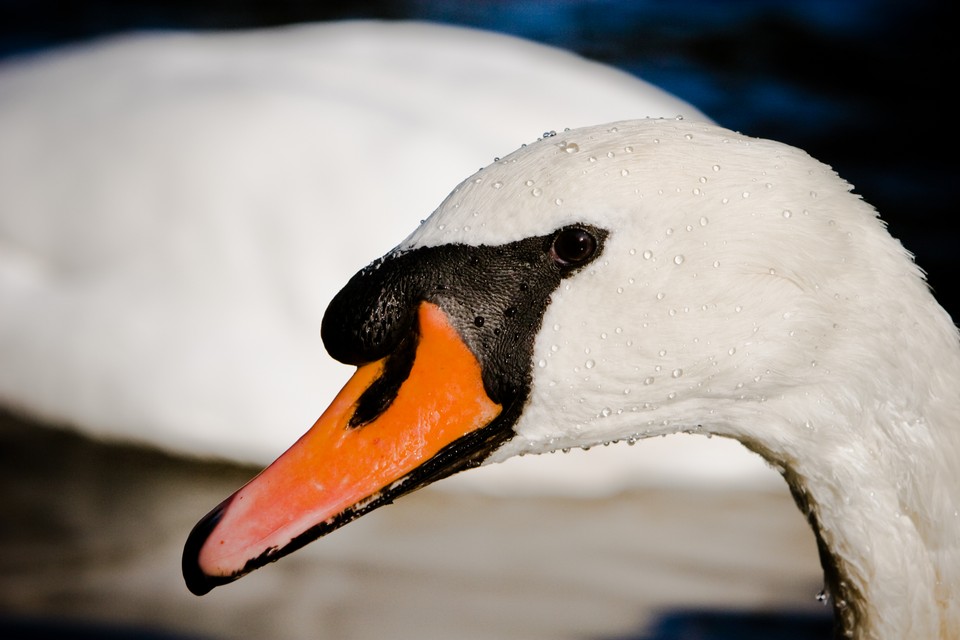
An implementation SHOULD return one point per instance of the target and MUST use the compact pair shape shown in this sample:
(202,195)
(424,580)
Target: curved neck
(887,528)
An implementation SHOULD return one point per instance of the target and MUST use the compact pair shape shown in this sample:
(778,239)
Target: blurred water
(91,536)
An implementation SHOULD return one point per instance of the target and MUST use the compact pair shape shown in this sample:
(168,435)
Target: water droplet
(549,134)
(731,351)
(745,194)
(497,185)
(605,412)
(738,308)
(648,380)
(660,295)
(787,213)
(556,327)
(647,254)
(628,149)
(536,191)
(570,147)
(716,263)
(704,221)
(678,259)
(590,364)
(716,167)
(558,201)
(676,373)
(478,321)
(529,183)
(662,352)
(542,363)
(624,173)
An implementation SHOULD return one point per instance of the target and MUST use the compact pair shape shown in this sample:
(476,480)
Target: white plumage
(744,291)
(176,210)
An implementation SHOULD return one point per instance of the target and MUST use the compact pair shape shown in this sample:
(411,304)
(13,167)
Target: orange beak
(339,470)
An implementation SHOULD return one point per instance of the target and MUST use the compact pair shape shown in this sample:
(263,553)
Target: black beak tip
(198,582)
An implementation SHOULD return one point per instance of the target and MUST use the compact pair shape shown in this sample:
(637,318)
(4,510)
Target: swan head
(612,282)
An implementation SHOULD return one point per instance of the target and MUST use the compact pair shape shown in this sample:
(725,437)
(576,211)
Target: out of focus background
(183,186)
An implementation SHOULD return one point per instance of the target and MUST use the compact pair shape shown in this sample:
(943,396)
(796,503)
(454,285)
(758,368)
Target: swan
(163,197)
(630,280)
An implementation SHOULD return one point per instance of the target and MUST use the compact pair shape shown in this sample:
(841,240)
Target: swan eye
(573,246)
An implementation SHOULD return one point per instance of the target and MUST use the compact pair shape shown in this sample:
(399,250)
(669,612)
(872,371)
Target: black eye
(573,246)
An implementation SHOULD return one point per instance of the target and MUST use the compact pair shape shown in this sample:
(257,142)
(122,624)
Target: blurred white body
(176,210)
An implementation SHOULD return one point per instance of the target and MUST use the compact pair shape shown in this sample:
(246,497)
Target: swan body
(176,210)
(636,279)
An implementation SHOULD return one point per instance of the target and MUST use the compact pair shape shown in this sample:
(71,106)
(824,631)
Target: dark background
(863,85)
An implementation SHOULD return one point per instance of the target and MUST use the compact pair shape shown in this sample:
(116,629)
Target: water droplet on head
(536,191)
(787,213)
(676,373)
(570,147)
(590,364)
(478,321)
(648,380)
(704,221)
(497,185)
(647,254)
(624,173)
(678,259)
